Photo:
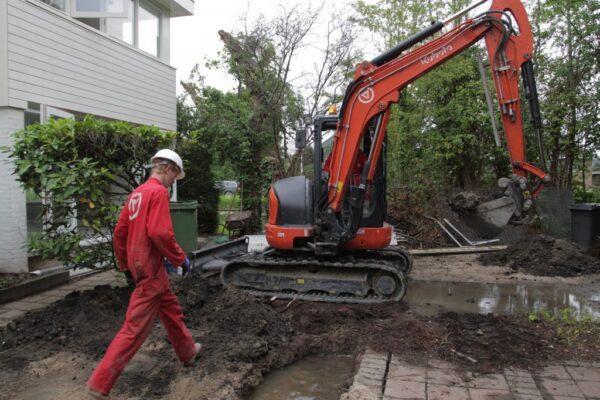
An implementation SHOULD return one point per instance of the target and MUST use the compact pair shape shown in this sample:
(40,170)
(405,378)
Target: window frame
(134,30)
(152,8)
(97,14)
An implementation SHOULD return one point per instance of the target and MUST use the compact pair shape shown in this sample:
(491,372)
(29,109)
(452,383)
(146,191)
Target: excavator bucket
(486,218)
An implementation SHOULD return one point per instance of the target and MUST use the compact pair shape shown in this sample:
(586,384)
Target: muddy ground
(51,353)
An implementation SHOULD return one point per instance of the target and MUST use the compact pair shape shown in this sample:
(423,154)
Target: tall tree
(229,119)
(265,59)
(569,71)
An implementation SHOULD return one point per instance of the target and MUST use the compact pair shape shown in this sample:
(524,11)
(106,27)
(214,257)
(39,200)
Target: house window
(34,202)
(58,4)
(122,28)
(32,114)
(148,28)
(100,8)
(140,27)
(135,22)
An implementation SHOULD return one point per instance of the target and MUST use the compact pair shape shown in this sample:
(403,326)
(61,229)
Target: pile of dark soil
(544,256)
(245,337)
(81,321)
(467,201)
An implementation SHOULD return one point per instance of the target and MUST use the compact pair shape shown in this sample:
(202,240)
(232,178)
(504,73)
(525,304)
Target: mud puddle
(312,378)
(430,298)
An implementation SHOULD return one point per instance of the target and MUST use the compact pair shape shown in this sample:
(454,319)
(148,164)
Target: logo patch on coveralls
(135,203)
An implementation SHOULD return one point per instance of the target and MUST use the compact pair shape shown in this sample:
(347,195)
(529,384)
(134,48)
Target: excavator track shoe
(362,277)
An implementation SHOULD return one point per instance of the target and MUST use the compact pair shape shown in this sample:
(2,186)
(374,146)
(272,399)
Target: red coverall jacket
(142,238)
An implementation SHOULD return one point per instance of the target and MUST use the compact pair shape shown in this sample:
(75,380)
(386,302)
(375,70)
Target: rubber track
(379,264)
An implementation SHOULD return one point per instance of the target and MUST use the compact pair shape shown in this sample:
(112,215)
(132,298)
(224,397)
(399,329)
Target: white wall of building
(58,61)
(51,59)
(13,217)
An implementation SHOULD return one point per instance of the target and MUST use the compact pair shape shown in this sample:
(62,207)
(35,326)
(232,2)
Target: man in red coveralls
(142,239)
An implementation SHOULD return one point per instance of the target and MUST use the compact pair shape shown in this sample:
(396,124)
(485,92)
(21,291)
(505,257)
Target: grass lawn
(227,203)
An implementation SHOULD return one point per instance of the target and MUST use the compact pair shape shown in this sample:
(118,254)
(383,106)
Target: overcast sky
(194,39)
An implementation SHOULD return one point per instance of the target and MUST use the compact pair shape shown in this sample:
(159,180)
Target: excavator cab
(374,207)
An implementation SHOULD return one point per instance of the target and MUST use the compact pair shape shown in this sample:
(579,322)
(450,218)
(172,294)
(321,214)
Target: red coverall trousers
(142,238)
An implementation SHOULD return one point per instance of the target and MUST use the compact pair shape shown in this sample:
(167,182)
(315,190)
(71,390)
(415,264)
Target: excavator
(327,236)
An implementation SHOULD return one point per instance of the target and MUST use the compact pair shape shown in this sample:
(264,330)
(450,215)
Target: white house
(68,58)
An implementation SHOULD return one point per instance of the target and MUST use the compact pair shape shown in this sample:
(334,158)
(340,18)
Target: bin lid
(183,205)
(585,206)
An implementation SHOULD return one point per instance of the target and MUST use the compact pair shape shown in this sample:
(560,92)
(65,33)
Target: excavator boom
(378,84)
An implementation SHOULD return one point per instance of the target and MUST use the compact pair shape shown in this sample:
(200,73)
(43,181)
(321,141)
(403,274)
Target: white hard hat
(170,155)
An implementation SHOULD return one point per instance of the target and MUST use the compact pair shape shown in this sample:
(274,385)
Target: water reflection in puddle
(428,298)
(311,378)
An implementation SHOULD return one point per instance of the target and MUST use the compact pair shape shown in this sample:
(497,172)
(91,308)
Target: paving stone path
(389,378)
(16,309)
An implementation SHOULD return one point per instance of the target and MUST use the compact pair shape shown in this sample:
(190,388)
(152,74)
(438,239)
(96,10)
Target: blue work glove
(186,266)
(169,267)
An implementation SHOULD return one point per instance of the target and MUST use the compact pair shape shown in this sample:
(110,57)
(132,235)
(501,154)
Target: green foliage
(569,75)
(227,203)
(571,328)
(83,170)
(585,196)
(196,149)
(238,140)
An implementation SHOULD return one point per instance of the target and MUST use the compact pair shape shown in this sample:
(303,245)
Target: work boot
(192,361)
(92,394)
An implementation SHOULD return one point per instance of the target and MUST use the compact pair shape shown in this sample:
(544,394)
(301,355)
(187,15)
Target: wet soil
(55,349)
(544,256)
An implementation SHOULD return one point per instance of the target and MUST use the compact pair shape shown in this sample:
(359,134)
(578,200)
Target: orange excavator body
(331,231)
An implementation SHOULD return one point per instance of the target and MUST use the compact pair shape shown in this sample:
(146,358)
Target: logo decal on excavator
(135,203)
(436,54)
(366,96)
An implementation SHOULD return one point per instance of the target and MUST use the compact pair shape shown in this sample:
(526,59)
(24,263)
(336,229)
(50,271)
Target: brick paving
(16,309)
(389,378)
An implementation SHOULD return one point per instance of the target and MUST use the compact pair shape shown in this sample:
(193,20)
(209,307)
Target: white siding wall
(56,61)
(3,58)
(13,218)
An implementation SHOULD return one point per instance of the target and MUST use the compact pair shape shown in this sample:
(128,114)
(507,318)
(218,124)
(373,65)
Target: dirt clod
(544,256)
(466,201)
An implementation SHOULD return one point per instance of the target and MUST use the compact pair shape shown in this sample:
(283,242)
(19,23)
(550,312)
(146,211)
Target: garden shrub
(84,170)
(199,182)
